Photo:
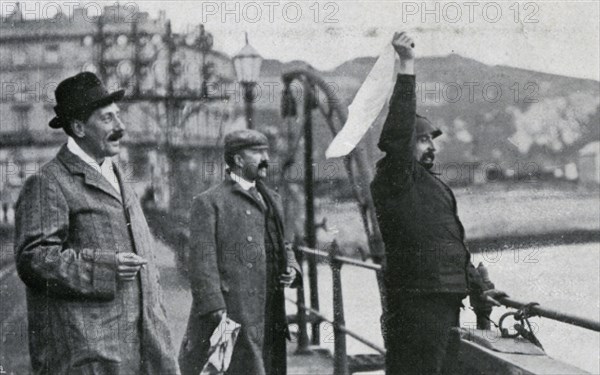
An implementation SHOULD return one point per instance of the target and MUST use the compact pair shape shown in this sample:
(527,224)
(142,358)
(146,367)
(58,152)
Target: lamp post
(247,68)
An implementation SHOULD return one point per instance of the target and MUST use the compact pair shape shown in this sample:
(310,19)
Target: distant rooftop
(23,24)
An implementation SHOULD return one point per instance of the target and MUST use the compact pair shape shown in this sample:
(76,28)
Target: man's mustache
(116,135)
(263,164)
(428,154)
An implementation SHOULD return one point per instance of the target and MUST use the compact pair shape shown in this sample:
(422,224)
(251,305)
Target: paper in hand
(372,96)
(222,342)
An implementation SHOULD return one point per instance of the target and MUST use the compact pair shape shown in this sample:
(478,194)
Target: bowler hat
(81,93)
(424,126)
(246,138)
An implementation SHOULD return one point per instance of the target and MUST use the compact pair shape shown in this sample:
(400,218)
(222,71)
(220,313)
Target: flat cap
(245,138)
(424,126)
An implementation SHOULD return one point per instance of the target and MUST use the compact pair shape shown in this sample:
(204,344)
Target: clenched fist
(287,279)
(403,44)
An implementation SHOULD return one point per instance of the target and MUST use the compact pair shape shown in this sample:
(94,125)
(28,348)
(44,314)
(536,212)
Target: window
(51,54)
(21,118)
(122,40)
(87,41)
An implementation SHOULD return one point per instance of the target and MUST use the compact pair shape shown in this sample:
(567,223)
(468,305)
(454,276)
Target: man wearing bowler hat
(239,264)
(85,253)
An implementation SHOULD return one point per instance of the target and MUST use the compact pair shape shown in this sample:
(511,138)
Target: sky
(560,37)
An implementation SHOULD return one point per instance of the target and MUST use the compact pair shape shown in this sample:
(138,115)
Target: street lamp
(247,68)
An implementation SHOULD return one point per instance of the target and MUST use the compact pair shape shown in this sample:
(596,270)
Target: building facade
(177,108)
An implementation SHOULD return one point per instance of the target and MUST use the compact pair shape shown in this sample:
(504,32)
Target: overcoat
(228,270)
(424,237)
(70,224)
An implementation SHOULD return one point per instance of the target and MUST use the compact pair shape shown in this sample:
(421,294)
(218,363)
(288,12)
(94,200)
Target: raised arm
(44,260)
(398,134)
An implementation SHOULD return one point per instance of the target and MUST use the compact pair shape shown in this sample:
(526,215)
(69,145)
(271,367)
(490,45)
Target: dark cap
(245,138)
(424,126)
(81,93)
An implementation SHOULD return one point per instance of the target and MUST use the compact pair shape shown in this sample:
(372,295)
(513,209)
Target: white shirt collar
(77,150)
(245,184)
(105,169)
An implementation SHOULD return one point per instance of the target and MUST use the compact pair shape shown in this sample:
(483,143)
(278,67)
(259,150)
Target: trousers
(418,334)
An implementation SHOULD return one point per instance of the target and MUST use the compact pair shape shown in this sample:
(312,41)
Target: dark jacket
(70,223)
(228,270)
(423,236)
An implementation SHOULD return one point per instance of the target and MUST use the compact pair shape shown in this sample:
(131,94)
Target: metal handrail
(341,328)
(544,312)
(536,310)
(341,365)
(342,259)
(336,262)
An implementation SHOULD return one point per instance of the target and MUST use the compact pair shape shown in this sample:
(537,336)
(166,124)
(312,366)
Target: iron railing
(342,363)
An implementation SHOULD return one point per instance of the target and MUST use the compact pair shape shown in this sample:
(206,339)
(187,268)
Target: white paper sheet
(375,91)
(222,342)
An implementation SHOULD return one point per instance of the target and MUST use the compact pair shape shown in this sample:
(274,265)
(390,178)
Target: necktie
(257,197)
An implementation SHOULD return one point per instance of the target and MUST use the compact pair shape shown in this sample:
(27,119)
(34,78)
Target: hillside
(496,114)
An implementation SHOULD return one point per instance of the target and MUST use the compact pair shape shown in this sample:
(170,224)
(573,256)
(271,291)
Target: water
(565,278)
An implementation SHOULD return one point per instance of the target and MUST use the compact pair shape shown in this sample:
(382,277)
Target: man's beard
(427,159)
(263,166)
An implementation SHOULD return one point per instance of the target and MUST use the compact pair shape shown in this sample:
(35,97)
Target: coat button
(249,238)
(248,212)
(249,265)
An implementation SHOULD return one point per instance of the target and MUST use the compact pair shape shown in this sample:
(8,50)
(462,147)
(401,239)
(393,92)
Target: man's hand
(128,265)
(288,277)
(403,44)
(490,296)
(215,316)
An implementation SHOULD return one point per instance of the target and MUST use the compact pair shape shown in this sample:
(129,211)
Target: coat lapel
(128,195)
(272,201)
(91,177)
(238,189)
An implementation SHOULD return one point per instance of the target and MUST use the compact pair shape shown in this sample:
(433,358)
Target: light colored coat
(70,224)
